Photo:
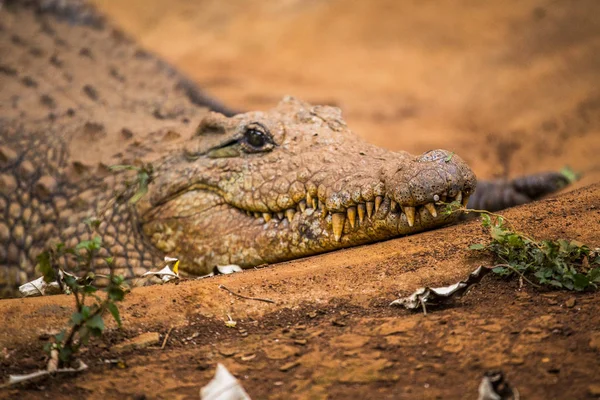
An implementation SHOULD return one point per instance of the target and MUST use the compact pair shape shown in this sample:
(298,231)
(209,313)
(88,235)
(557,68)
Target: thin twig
(518,273)
(164,343)
(246,297)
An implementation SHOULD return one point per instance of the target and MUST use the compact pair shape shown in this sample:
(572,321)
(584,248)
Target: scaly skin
(254,188)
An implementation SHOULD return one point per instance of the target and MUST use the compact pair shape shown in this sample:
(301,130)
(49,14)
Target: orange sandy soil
(510,86)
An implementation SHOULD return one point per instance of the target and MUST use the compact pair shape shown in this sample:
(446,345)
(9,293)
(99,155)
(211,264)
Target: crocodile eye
(256,139)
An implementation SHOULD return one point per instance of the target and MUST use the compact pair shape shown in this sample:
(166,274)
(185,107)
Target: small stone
(289,366)
(594,389)
(312,315)
(336,322)
(227,352)
(139,342)
(491,328)
(595,340)
(570,303)
(301,342)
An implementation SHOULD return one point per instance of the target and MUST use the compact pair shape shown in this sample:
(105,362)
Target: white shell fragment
(228,269)
(425,295)
(493,386)
(223,386)
(166,274)
(38,287)
(222,270)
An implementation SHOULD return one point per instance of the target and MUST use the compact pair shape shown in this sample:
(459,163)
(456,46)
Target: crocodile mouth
(348,219)
(362,213)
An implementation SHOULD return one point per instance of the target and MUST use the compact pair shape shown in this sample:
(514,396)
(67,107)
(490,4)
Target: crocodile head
(263,187)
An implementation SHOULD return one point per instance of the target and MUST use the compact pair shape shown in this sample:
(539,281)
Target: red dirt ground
(510,86)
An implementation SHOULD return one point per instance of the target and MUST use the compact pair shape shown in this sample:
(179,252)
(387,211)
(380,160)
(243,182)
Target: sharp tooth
(280,215)
(289,213)
(410,215)
(458,197)
(361,212)
(267,217)
(370,206)
(302,205)
(378,201)
(393,205)
(338,220)
(431,208)
(324,211)
(257,215)
(309,200)
(465,201)
(351,213)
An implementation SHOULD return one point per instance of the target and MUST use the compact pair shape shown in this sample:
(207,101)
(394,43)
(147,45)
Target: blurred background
(510,86)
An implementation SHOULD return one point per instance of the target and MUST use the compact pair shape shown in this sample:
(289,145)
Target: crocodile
(227,188)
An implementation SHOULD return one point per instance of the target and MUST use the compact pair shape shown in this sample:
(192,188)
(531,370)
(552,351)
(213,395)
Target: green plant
(87,319)
(567,264)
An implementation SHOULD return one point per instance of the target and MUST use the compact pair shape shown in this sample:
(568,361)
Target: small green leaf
(449,157)
(580,282)
(65,354)
(571,175)
(59,337)
(124,167)
(45,267)
(477,246)
(114,310)
(95,324)
(115,293)
(89,289)
(76,318)
(85,311)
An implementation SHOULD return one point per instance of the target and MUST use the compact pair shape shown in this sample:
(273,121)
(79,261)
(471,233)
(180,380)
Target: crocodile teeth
(465,201)
(302,205)
(351,213)
(338,220)
(361,212)
(257,215)
(378,201)
(309,200)
(323,212)
(370,206)
(410,215)
(289,214)
(267,217)
(280,215)
(431,208)
(458,197)
(393,205)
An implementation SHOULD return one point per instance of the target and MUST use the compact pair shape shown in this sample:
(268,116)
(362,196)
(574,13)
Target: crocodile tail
(500,194)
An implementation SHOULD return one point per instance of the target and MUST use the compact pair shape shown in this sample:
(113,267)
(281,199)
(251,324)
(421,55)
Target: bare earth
(511,88)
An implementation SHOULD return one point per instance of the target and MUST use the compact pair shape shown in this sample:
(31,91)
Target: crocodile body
(260,187)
